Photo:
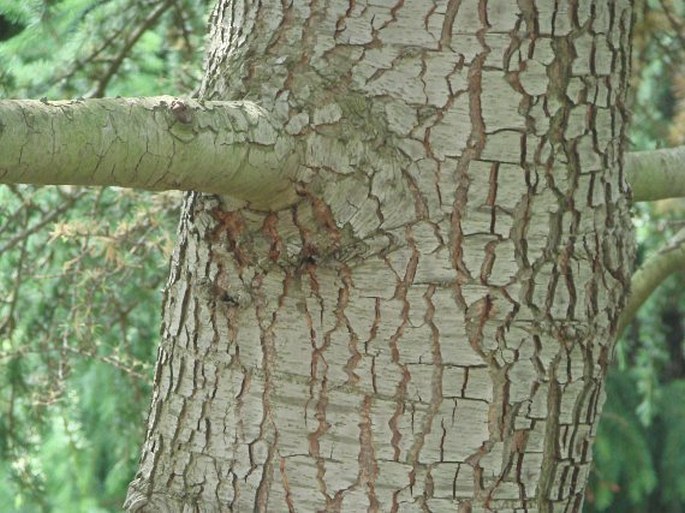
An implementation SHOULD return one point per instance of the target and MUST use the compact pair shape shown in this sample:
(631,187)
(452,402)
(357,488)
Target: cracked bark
(428,326)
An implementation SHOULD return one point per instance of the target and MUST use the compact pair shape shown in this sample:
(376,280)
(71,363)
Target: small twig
(135,369)
(47,219)
(184,29)
(133,38)
(8,325)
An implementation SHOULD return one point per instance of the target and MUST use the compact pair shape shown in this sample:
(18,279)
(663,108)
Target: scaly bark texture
(428,328)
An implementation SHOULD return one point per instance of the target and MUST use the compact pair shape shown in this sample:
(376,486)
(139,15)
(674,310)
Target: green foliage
(73,48)
(79,332)
(82,270)
(673,447)
(624,470)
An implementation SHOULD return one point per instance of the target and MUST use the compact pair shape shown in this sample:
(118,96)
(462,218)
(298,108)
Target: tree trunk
(428,327)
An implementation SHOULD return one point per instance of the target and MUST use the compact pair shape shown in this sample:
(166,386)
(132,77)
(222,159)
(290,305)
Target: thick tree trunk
(428,328)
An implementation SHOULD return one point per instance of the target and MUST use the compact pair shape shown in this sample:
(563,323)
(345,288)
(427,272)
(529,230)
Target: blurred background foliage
(81,271)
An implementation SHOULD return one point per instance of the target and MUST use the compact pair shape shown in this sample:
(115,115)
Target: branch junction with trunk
(233,149)
(218,147)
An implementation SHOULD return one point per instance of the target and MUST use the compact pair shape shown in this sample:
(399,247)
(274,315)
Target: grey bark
(427,329)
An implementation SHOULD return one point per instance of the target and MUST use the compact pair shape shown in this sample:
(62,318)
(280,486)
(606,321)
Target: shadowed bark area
(428,327)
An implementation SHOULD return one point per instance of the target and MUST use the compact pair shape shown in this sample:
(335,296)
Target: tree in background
(65,230)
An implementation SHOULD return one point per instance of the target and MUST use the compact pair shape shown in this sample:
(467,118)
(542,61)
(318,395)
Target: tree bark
(427,329)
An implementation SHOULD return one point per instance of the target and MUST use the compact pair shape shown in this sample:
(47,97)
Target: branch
(668,260)
(656,174)
(157,143)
